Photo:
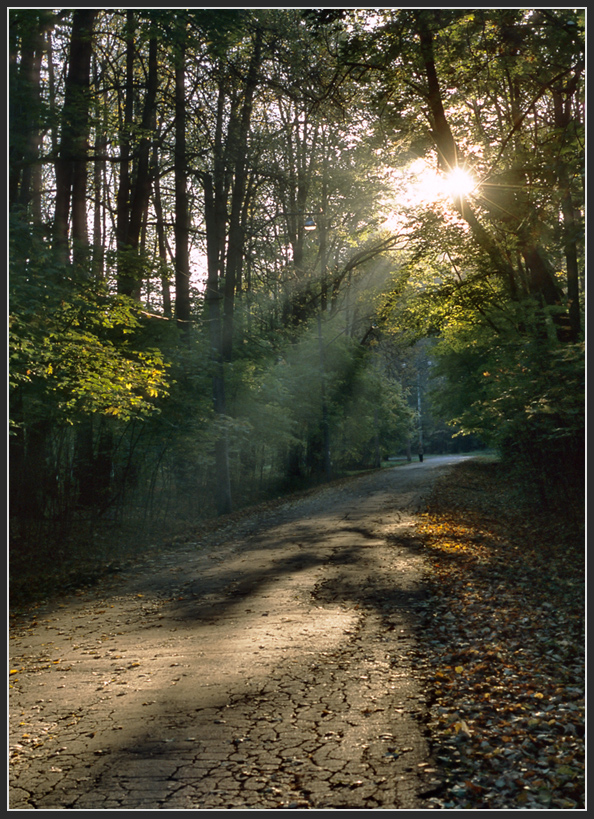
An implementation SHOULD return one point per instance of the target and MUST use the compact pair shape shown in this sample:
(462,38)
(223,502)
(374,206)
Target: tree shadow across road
(289,638)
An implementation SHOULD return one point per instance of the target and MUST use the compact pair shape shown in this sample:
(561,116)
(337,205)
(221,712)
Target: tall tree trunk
(215,188)
(182,258)
(229,163)
(97,269)
(570,232)
(447,152)
(124,284)
(25,100)
(213,299)
(161,238)
(238,151)
(300,150)
(130,280)
(142,181)
(71,165)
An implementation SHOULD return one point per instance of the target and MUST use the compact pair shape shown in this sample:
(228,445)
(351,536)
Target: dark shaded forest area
(258,249)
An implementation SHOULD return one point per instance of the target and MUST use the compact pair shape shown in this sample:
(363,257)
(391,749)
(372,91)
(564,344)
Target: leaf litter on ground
(504,639)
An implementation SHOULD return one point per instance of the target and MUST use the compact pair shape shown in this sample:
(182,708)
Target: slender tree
(182,258)
(126,284)
(134,209)
(71,164)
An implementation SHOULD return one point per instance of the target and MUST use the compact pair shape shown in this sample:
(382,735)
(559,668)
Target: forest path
(277,670)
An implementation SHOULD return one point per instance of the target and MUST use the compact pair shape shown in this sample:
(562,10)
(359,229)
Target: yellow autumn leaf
(459,669)
(461,727)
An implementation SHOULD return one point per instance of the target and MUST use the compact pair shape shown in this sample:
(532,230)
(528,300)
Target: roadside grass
(504,638)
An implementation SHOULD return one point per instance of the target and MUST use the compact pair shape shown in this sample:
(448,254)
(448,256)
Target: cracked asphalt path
(278,668)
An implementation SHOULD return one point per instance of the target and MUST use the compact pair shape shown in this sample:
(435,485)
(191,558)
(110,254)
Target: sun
(427,185)
(459,183)
(420,185)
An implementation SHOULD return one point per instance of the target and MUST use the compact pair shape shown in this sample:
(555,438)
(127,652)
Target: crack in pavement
(279,669)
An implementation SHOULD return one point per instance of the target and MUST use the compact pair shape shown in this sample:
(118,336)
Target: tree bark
(71,165)
(161,238)
(182,258)
(570,232)
(443,138)
(238,150)
(100,114)
(25,98)
(123,196)
(212,300)
(129,274)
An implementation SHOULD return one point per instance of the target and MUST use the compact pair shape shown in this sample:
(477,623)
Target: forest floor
(409,639)
(505,641)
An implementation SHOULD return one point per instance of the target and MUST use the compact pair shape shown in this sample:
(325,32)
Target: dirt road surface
(276,668)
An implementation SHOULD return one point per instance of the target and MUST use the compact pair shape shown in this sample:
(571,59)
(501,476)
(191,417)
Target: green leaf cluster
(71,347)
(521,394)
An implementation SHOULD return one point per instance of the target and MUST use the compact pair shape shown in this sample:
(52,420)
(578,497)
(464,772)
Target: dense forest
(252,250)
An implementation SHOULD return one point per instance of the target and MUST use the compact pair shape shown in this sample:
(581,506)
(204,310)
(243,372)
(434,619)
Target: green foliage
(335,374)
(71,346)
(374,423)
(519,393)
(499,382)
(261,399)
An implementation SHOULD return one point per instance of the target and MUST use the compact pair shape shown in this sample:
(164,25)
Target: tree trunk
(142,180)
(125,286)
(212,300)
(130,276)
(182,259)
(570,231)
(443,138)
(25,99)
(238,143)
(71,165)
(161,238)
(99,207)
